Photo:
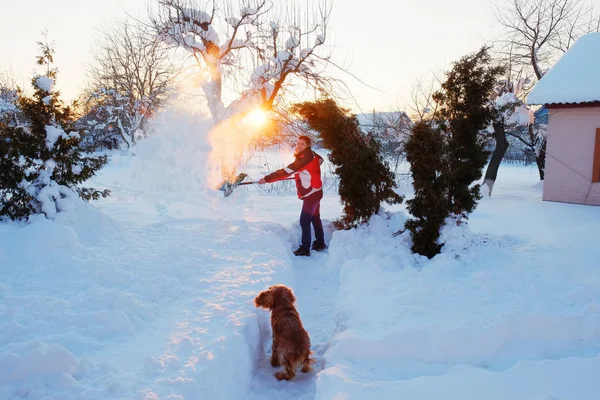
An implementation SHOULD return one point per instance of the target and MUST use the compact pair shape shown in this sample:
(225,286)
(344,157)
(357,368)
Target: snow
(55,198)
(292,43)
(320,39)
(52,134)
(233,21)
(248,11)
(190,41)
(518,114)
(8,104)
(184,32)
(238,44)
(44,83)
(505,99)
(148,294)
(574,78)
(521,115)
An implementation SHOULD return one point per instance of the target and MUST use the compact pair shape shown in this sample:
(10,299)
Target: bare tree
(7,80)
(9,95)
(131,78)
(537,33)
(422,106)
(512,115)
(392,129)
(253,47)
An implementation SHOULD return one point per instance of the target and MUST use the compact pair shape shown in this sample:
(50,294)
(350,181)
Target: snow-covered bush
(41,160)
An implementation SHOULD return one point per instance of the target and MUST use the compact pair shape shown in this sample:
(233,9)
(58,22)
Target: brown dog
(291,344)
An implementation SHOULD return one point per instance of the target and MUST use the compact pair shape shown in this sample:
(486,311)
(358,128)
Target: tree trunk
(501,146)
(541,160)
(123,133)
(534,63)
(540,157)
(212,91)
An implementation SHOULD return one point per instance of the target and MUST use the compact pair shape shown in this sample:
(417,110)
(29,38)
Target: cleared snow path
(316,291)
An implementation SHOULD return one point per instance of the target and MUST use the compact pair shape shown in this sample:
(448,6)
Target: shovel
(227,187)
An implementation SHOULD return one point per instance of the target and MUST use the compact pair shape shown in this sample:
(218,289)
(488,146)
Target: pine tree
(42,162)
(466,109)
(447,153)
(365,178)
(425,152)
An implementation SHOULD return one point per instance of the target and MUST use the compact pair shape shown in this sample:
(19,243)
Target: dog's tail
(308,362)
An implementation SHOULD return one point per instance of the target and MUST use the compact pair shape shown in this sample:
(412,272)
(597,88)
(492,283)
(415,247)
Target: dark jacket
(306,169)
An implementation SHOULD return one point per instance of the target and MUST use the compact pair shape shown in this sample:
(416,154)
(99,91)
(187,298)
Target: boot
(318,246)
(302,252)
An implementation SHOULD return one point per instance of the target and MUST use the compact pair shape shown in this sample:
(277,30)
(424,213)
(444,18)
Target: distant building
(390,128)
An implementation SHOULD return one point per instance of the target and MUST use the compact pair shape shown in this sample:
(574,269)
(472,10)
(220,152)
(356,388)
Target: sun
(257,118)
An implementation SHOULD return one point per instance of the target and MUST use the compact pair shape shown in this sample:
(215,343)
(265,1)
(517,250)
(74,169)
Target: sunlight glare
(257,117)
(231,141)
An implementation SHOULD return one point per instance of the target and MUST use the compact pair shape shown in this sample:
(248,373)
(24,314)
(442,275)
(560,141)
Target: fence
(518,157)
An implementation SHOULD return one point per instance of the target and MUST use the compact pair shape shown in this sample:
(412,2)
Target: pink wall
(571,137)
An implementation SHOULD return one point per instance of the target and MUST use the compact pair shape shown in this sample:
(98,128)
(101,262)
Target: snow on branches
(248,42)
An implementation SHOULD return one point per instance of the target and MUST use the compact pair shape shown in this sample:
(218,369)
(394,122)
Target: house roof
(575,78)
(366,119)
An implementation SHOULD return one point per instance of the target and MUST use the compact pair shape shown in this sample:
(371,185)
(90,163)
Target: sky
(389,45)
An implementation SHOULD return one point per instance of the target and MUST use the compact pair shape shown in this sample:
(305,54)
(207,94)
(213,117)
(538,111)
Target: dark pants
(311,213)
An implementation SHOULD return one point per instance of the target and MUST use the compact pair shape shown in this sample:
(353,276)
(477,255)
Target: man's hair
(306,139)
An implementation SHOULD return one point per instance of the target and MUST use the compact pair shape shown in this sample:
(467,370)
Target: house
(391,128)
(570,91)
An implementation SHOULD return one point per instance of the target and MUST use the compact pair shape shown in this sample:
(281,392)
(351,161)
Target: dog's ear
(264,299)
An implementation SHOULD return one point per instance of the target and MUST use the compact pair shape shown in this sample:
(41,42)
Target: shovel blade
(227,190)
(227,187)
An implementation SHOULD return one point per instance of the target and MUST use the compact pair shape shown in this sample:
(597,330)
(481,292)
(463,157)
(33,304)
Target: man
(306,169)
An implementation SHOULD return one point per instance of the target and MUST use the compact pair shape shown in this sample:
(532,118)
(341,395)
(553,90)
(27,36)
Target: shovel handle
(251,183)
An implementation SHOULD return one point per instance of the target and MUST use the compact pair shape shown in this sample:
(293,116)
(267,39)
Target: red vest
(306,169)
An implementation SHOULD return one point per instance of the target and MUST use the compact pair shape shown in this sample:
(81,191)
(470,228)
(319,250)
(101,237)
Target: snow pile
(55,365)
(481,320)
(55,198)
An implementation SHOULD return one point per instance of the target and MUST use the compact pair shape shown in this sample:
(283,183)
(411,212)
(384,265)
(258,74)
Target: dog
(291,343)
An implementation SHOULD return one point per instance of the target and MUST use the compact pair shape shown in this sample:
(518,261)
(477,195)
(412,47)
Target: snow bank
(53,362)
(159,311)
(477,321)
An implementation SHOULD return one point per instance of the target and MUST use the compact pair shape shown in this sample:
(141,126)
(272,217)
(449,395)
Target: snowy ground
(149,294)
